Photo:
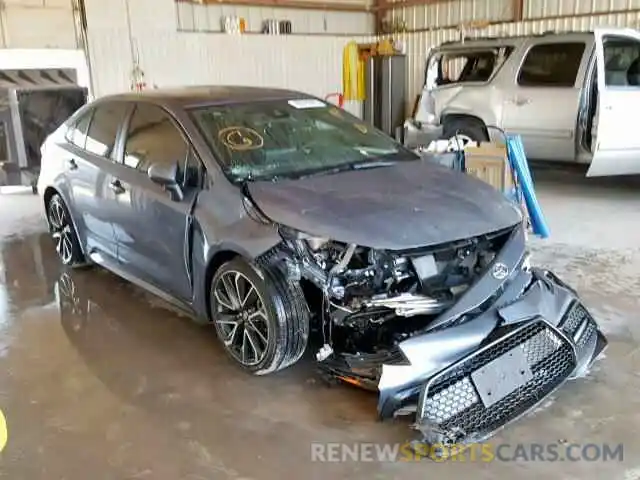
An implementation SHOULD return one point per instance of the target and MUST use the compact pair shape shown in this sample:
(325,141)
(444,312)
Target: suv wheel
(462,131)
(261,318)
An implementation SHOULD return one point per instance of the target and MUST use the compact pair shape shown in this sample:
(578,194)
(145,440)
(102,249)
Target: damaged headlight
(314,242)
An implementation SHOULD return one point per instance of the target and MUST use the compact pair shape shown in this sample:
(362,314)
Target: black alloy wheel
(241,318)
(63,233)
(260,316)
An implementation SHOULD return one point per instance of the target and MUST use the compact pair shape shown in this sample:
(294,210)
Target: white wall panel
(309,63)
(446,14)
(171,58)
(550,8)
(37,24)
(454,12)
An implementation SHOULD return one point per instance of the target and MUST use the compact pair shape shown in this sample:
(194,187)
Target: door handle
(116,186)
(72,165)
(520,101)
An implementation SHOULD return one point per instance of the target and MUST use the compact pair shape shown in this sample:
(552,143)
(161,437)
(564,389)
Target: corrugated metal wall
(452,13)
(121,30)
(438,24)
(447,14)
(37,24)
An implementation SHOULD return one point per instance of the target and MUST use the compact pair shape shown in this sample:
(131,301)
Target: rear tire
(465,129)
(63,232)
(261,318)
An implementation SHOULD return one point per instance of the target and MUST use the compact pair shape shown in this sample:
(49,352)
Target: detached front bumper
(469,377)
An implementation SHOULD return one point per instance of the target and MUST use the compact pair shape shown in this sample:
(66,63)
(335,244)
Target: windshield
(293,138)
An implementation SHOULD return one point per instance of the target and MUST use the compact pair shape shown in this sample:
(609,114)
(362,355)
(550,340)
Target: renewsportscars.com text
(480,452)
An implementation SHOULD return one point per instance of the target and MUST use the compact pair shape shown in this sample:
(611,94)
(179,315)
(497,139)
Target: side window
(621,62)
(104,127)
(77,134)
(551,65)
(154,139)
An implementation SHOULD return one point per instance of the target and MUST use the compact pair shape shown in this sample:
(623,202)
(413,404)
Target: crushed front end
(466,336)
(515,336)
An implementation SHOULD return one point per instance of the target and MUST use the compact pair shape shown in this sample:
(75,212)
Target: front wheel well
(457,118)
(218,259)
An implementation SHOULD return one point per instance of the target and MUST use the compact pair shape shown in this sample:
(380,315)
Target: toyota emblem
(500,271)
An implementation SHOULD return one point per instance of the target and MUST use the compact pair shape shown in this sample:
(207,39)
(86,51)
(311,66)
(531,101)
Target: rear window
(551,65)
(77,134)
(104,128)
(476,65)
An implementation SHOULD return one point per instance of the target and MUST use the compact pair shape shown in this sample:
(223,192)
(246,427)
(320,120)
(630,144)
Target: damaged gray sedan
(291,226)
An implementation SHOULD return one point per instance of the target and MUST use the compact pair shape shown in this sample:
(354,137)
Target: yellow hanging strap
(352,73)
(3,431)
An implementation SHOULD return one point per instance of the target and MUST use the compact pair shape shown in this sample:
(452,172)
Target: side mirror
(164,175)
(167,177)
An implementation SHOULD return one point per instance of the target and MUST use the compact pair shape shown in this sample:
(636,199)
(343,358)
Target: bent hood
(408,205)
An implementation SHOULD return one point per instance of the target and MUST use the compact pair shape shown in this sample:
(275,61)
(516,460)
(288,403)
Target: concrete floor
(117,386)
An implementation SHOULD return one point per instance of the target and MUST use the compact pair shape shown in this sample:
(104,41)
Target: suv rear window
(460,66)
(551,65)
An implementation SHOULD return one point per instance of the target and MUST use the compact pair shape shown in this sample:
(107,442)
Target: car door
(617,143)
(89,161)
(154,220)
(542,104)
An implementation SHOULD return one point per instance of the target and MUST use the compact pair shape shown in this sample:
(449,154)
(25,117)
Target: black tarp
(41,112)
(33,103)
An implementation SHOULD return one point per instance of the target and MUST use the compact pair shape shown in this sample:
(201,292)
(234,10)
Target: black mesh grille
(578,324)
(453,405)
(575,316)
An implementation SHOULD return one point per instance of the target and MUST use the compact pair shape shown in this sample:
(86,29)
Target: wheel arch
(47,195)
(219,258)
(462,116)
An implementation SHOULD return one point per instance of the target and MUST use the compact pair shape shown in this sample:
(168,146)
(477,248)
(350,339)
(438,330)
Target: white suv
(572,97)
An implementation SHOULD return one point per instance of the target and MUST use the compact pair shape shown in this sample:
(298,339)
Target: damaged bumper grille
(456,405)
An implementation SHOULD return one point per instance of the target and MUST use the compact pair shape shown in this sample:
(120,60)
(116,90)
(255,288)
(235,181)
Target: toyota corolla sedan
(274,215)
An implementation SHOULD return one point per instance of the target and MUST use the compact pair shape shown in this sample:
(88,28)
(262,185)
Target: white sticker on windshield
(307,103)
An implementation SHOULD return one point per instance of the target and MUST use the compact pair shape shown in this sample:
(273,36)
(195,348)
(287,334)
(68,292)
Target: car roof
(193,96)
(508,39)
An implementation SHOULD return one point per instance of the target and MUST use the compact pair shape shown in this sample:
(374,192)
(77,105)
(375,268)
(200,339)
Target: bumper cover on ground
(470,378)
(455,406)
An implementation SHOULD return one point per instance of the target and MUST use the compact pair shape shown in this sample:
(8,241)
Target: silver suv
(573,97)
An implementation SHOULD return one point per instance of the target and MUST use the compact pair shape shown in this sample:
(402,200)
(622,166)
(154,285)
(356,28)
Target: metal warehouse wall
(434,24)
(37,24)
(120,31)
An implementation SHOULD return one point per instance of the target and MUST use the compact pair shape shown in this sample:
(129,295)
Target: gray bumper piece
(497,353)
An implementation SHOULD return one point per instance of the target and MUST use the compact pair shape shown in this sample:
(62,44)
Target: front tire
(261,319)
(63,232)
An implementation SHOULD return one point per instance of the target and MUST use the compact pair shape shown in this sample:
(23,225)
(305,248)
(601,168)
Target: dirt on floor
(100,380)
